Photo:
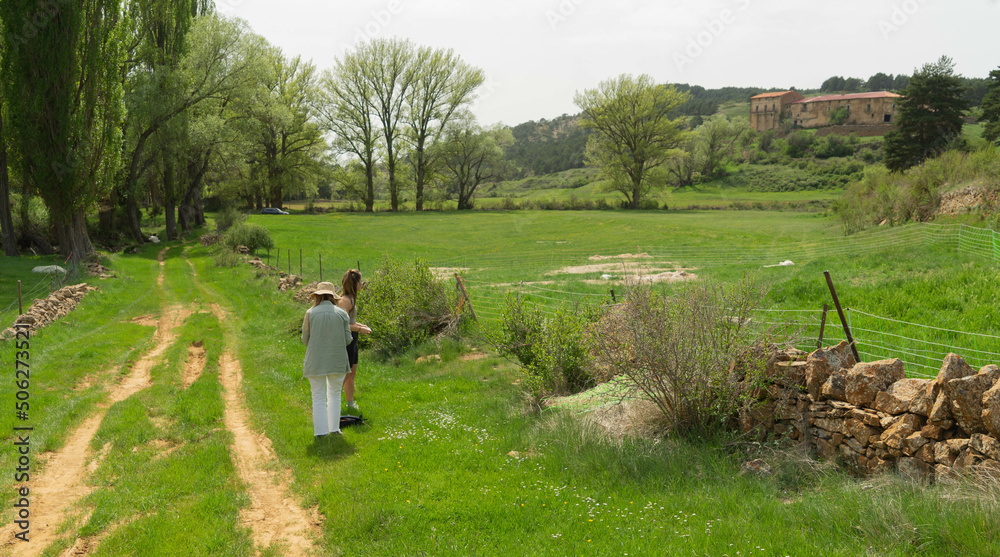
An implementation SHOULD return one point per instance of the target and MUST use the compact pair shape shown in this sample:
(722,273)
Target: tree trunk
(393,186)
(134,220)
(421,172)
(370,194)
(170,201)
(74,242)
(6,220)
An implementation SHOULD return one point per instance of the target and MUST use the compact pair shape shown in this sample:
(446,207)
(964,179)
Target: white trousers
(326,402)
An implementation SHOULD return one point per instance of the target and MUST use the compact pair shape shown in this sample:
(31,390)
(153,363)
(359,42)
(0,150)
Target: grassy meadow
(453,460)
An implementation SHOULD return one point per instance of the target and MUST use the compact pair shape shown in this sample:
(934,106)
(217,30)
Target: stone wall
(874,418)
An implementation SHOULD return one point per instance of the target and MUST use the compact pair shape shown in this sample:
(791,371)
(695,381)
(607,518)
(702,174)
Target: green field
(453,460)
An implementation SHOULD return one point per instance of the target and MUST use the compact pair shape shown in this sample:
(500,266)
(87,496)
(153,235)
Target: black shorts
(352,349)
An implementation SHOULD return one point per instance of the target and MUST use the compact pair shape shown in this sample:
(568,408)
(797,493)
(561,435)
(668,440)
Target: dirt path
(273,517)
(62,484)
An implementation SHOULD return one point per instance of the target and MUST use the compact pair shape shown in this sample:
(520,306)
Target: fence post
(613,300)
(840,312)
(822,326)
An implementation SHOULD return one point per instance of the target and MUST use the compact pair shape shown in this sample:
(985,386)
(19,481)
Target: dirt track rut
(274,518)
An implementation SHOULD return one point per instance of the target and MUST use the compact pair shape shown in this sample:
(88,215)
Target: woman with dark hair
(326,333)
(350,284)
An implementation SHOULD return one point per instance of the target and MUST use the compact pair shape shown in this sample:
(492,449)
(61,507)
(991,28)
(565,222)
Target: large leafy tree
(345,112)
(66,119)
(441,86)
(930,116)
(287,142)
(474,156)
(991,108)
(633,132)
(388,67)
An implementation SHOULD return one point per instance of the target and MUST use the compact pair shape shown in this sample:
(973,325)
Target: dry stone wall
(874,419)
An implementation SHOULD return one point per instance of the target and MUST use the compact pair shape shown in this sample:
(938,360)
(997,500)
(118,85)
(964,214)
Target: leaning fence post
(840,312)
(465,295)
(822,326)
(613,300)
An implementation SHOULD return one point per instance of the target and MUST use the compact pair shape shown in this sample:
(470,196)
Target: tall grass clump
(681,351)
(405,305)
(554,349)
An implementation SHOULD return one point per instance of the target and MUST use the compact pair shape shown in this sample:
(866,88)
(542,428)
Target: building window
(888,119)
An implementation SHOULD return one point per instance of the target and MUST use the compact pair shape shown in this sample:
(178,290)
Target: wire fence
(921,347)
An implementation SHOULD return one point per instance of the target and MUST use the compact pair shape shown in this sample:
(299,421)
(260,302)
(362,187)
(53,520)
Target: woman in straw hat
(326,333)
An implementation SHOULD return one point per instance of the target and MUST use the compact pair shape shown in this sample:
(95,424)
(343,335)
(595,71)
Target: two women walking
(329,328)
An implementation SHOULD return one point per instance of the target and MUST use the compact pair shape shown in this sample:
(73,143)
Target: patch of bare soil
(88,545)
(61,484)
(445,273)
(274,518)
(472,356)
(622,256)
(145,320)
(195,363)
(161,257)
(626,271)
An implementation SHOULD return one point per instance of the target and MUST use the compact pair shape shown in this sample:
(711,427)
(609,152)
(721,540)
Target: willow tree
(6,221)
(633,132)
(66,119)
(442,85)
(157,93)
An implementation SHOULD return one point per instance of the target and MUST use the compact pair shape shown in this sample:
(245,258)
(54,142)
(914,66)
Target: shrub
(405,305)
(681,351)
(553,350)
(227,218)
(253,236)
(798,144)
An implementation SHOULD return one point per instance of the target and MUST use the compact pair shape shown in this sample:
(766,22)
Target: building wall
(765,113)
(860,112)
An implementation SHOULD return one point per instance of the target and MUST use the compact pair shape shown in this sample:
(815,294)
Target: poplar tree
(991,108)
(66,119)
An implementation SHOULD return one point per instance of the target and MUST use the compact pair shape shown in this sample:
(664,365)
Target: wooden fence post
(843,320)
(822,325)
(465,295)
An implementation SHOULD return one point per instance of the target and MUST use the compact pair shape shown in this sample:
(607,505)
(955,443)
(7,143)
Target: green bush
(253,236)
(553,350)
(405,305)
(228,217)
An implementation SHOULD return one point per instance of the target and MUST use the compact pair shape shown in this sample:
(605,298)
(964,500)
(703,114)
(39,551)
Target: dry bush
(681,351)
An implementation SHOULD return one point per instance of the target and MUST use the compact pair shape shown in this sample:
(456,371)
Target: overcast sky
(537,53)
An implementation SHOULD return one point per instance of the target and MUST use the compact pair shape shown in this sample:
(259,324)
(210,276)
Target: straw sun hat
(325,288)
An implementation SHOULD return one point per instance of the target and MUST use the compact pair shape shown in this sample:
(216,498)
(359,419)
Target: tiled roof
(872,95)
(769,95)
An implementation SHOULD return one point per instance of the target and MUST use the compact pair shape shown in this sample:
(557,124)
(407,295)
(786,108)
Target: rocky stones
(966,397)
(55,306)
(905,395)
(823,363)
(865,380)
(991,411)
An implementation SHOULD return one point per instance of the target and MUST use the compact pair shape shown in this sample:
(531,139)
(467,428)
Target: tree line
(113,108)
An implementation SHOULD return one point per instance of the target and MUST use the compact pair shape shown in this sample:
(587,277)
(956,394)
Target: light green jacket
(326,332)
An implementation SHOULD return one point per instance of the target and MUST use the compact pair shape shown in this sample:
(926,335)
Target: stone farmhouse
(769,110)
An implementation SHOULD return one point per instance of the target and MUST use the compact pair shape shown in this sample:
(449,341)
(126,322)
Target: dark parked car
(273,211)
